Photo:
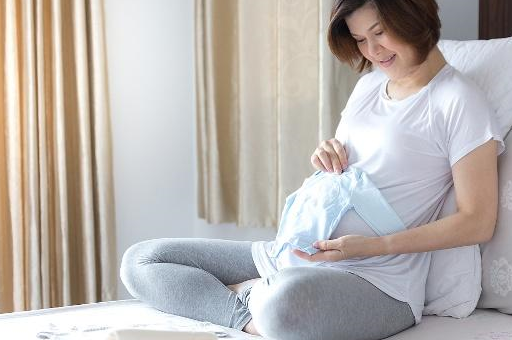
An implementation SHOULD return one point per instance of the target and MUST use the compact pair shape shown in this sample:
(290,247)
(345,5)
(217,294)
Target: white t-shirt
(407,147)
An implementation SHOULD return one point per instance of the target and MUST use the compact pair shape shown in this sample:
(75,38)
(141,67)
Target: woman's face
(382,49)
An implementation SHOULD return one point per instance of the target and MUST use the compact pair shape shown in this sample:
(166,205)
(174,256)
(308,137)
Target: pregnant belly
(352,224)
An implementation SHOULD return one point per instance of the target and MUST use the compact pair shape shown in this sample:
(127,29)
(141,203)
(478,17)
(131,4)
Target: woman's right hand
(330,156)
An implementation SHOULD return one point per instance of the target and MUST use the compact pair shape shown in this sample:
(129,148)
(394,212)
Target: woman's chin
(386,71)
(390,73)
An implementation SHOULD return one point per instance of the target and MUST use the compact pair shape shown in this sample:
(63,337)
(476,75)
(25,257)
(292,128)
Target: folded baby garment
(313,211)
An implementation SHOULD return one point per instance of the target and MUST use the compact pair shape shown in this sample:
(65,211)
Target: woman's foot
(239,287)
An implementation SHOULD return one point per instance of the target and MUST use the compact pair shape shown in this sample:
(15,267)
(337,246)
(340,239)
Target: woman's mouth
(387,62)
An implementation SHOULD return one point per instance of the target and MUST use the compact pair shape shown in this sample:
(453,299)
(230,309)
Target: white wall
(150,70)
(151,79)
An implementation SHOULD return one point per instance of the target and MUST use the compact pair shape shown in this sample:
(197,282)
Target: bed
(488,64)
(98,321)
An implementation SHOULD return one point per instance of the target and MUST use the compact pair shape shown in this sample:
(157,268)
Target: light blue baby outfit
(313,211)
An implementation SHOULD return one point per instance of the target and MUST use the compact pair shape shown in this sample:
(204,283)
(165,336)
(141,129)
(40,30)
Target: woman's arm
(475,179)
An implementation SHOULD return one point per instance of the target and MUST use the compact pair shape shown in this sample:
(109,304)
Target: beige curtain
(56,198)
(268,90)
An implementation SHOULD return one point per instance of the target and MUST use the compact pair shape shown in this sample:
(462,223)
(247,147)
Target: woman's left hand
(342,248)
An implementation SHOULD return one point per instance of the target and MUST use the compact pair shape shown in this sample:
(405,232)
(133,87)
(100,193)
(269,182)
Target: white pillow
(488,64)
(454,279)
(455,275)
(497,253)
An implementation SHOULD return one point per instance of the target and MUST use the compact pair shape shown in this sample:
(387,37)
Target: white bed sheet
(95,321)
(482,324)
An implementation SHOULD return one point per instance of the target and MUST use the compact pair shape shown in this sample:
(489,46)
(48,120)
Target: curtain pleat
(297,81)
(47,220)
(200,78)
(13,139)
(6,288)
(103,208)
(336,80)
(268,90)
(30,159)
(258,113)
(57,239)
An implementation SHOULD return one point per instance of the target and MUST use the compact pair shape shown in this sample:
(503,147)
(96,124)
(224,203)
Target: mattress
(482,324)
(95,321)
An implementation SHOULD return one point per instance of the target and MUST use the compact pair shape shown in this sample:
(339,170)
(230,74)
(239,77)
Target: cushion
(453,283)
(487,63)
(497,253)
(454,279)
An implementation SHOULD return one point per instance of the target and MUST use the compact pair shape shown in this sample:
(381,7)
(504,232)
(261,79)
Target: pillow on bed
(454,278)
(497,253)
(487,63)
(453,282)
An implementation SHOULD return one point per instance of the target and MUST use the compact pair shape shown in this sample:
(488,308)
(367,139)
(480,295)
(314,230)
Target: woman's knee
(277,303)
(134,257)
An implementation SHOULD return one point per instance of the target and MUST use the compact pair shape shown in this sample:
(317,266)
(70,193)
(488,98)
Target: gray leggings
(188,277)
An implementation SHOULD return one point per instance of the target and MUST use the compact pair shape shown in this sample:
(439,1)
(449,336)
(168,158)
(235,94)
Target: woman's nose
(374,49)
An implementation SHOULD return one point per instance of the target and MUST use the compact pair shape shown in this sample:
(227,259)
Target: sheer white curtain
(268,90)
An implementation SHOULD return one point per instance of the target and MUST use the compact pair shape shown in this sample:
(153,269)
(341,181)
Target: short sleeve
(469,122)
(342,129)
(365,86)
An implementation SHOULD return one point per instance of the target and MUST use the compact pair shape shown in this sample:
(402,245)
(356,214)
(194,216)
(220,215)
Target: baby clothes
(313,212)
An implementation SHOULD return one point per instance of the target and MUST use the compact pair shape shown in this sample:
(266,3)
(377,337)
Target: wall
(150,53)
(151,79)
(459,19)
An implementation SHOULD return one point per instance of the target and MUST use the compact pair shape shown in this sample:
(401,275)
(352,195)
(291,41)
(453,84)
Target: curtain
(56,197)
(268,91)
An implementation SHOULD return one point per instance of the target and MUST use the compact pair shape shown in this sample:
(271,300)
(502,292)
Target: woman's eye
(360,41)
(379,33)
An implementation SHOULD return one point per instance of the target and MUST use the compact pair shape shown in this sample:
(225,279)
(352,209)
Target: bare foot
(237,288)
(251,329)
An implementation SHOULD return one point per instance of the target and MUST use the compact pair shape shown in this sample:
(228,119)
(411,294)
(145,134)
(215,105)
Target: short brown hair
(415,22)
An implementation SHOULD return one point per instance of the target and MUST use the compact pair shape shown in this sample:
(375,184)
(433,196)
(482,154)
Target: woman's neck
(423,73)
(418,77)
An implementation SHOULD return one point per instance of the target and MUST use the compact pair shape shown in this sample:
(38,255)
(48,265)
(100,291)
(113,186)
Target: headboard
(495,19)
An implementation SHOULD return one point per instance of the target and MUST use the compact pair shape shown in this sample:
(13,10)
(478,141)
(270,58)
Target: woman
(416,128)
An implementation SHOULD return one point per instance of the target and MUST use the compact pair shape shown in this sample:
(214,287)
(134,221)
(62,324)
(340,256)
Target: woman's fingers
(330,156)
(327,157)
(321,256)
(328,250)
(340,151)
(317,163)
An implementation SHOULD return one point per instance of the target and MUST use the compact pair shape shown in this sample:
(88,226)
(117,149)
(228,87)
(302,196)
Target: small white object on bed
(148,334)
(99,321)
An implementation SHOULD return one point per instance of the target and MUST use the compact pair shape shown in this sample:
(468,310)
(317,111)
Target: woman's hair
(415,22)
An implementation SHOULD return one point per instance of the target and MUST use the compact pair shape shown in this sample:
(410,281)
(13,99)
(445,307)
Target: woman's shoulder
(454,87)
(454,96)
(367,85)
(370,81)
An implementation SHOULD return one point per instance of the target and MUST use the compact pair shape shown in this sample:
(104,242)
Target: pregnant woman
(415,127)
